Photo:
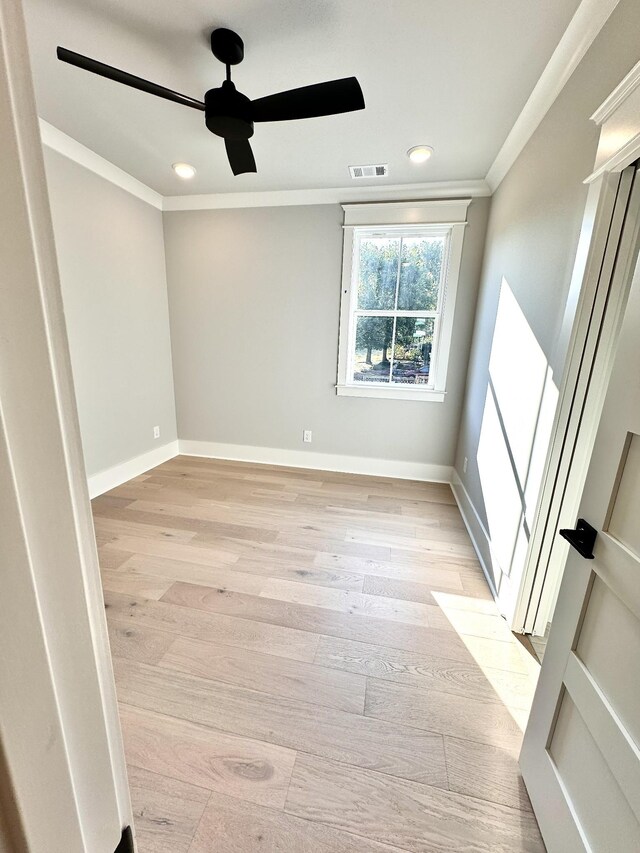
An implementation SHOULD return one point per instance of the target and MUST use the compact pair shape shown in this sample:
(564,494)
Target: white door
(581,757)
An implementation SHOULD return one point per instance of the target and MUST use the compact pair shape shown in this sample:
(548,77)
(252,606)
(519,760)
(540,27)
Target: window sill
(427,395)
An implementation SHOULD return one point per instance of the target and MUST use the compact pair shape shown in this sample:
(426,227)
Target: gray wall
(533,230)
(111,260)
(254,304)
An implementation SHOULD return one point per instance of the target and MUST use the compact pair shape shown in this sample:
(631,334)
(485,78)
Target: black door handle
(583,538)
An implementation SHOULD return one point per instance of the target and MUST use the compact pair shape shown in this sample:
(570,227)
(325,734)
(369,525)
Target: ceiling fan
(229,113)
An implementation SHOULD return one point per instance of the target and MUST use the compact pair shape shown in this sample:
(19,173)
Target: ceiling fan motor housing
(228,112)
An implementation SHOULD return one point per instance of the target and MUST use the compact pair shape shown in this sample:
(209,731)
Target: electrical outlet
(306,435)
(464,465)
(156,432)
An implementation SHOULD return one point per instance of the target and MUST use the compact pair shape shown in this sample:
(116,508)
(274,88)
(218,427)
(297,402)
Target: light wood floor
(310,662)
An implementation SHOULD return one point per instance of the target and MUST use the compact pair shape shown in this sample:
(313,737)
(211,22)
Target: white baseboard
(106,480)
(475,528)
(318,461)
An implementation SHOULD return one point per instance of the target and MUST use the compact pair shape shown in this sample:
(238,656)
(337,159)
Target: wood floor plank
(166,812)
(352,626)
(398,610)
(213,627)
(162,547)
(237,766)
(436,711)
(137,642)
(438,539)
(226,577)
(423,590)
(488,772)
(315,544)
(391,749)
(315,619)
(148,586)
(150,491)
(465,621)
(117,528)
(267,551)
(196,518)
(110,558)
(247,576)
(291,679)
(441,571)
(428,672)
(103,502)
(420,500)
(419,818)
(314,575)
(232,827)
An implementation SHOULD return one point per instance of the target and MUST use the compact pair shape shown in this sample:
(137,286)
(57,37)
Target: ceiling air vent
(380,171)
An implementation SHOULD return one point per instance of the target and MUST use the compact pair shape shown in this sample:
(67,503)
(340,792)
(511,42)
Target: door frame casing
(585,375)
(59,727)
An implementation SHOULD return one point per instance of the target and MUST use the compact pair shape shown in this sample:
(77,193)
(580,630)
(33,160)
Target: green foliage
(378,274)
(418,284)
(374,333)
(420,274)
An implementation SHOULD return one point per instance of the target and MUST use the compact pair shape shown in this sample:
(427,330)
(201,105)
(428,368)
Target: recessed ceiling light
(420,153)
(183,170)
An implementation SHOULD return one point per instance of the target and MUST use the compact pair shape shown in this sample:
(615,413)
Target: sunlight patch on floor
(510,670)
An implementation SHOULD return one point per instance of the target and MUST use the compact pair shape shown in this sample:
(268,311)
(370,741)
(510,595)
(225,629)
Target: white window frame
(407,219)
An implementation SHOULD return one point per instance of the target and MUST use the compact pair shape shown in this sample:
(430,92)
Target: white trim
(588,20)
(108,479)
(422,471)
(624,157)
(416,215)
(391,392)
(79,153)
(620,94)
(475,528)
(333,195)
(405,213)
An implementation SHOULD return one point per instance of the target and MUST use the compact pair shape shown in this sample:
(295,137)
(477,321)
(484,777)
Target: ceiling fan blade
(240,156)
(321,99)
(119,76)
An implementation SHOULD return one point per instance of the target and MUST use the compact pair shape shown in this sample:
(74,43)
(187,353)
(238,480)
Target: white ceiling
(453,74)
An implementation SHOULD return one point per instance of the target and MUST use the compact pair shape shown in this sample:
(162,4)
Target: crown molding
(619,95)
(79,153)
(69,147)
(333,195)
(588,20)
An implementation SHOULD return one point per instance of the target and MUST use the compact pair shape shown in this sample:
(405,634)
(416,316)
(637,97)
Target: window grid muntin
(363,233)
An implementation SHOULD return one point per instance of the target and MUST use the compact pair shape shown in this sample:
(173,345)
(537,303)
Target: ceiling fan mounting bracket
(227,46)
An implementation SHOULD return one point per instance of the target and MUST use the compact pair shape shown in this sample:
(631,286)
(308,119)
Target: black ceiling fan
(229,113)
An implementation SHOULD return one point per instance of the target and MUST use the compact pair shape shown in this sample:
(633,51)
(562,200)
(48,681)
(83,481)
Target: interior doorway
(604,276)
(580,757)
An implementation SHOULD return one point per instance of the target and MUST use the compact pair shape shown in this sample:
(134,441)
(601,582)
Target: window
(398,296)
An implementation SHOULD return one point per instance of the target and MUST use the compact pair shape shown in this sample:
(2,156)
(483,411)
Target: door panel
(625,510)
(605,817)
(581,758)
(609,632)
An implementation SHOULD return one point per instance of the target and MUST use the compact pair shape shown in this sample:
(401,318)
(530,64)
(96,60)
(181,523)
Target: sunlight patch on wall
(499,487)
(518,415)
